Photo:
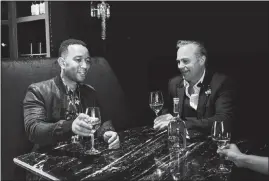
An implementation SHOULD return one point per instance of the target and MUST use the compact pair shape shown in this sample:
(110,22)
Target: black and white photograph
(135,90)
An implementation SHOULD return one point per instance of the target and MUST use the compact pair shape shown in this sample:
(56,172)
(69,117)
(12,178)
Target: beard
(70,76)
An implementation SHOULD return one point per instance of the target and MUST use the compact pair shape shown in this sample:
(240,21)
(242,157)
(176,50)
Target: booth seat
(17,75)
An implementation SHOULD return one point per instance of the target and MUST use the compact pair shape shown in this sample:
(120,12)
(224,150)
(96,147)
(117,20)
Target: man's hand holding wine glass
(156,102)
(161,122)
(95,123)
(80,125)
(232,153)
(221,135)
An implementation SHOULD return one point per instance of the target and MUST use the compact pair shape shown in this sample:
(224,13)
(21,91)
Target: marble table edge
(34,170)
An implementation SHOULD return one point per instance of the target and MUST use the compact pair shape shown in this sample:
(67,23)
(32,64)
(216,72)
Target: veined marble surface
(143,155)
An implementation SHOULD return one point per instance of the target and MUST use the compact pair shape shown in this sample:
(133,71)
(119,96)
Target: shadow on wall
(109,92)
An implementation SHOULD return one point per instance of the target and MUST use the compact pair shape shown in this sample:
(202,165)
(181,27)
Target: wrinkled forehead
(77,50)
(187,51)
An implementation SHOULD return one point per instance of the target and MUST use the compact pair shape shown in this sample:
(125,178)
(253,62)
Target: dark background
(141,49)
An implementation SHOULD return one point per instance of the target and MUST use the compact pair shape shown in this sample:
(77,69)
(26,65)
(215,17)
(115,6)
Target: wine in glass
(95,122)
(176,107)
(156,101)
(221,135)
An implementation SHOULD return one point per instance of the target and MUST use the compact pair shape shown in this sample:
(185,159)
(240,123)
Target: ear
(202,60)
(61,62)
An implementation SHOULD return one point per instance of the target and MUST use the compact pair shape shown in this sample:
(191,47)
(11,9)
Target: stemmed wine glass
(221,135)
(95,122)
(156,101)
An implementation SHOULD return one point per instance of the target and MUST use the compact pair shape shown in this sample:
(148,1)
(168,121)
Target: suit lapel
(201,103)
(60,100)
(203,98)
(180,92)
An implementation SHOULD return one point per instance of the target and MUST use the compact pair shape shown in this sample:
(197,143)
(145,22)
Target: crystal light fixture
(101,11)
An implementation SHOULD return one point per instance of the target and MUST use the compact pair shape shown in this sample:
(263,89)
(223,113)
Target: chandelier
(101,10)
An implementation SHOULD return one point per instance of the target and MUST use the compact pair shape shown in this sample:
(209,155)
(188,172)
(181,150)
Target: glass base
(176,176)
(223,169)
(92,151)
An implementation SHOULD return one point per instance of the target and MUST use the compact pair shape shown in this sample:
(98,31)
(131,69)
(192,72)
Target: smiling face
(190,64)
(76,63)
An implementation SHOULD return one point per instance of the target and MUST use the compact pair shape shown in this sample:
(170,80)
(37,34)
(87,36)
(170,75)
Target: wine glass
(156,101)
(176,107)
(95,122)
(221,135)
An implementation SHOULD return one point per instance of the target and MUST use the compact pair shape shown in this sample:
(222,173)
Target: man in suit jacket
(54,109)
(204,96)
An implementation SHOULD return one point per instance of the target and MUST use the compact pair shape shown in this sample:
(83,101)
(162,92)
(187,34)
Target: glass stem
(92,140)
(221,163)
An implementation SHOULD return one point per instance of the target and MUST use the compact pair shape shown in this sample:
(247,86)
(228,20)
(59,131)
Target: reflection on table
(143,155)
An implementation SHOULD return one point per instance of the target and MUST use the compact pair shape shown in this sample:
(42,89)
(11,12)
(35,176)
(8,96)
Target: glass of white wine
(221,135)
(156,101)
(95,122)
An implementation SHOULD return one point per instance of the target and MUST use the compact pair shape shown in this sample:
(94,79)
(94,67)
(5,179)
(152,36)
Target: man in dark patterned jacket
(204,96)
(54,109)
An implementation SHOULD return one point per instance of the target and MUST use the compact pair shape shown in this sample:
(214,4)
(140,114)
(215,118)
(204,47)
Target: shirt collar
(186,83)
(67,88)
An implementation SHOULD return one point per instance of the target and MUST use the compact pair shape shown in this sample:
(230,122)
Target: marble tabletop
(143,155)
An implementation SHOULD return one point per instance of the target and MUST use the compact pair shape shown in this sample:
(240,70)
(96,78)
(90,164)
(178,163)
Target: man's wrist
(66,125)
(242,159)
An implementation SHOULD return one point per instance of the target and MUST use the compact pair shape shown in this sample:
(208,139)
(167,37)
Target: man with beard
(204,96)
(54,109)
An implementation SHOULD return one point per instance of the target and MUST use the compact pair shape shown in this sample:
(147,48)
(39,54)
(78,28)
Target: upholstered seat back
(17,75)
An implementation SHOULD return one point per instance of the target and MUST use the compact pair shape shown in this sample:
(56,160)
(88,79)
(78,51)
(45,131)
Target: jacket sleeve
(39,129)
(225,108)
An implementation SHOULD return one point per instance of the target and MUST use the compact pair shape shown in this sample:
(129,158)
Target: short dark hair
(64,45)
(202,49)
